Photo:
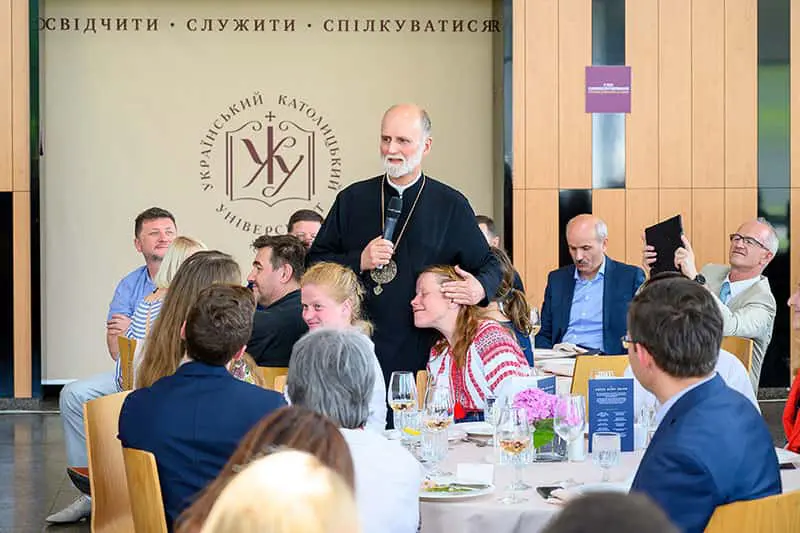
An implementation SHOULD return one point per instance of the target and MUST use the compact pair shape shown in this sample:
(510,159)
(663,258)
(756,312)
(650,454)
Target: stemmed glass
(514,436)
(437,415)
(535,321)
(402,398)
(606,450)
(570,419)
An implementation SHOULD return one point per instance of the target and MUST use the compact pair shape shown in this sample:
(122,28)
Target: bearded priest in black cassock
(436,226)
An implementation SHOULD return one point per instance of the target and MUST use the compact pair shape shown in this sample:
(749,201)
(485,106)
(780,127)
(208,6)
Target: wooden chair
(740,347)
(773,514)
(586,365)
(422,386)
(280,383)
(127,348)
(111,506)
(269,373)
(144,488)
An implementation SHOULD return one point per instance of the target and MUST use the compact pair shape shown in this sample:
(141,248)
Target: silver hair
(425,122)
(332,372)
(600,228)
(772,240)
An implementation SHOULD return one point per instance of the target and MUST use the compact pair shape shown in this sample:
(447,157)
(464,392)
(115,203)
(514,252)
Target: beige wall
(125,115)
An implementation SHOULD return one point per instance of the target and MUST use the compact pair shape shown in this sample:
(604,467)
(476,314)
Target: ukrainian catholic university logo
(265,159)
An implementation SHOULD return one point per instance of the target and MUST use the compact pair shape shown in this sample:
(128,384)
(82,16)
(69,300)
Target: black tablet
(666,238)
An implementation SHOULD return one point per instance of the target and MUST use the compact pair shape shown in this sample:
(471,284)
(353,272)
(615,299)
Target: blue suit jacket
(711,448)
(192,422)
(620,285)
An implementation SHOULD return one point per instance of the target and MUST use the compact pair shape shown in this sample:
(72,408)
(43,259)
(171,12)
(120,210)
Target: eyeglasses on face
(749,241)
(627,342)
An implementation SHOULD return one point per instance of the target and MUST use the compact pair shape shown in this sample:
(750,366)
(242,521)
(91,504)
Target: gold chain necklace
(386,274)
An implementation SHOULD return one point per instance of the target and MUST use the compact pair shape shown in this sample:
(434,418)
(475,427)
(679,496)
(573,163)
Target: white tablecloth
(486,514)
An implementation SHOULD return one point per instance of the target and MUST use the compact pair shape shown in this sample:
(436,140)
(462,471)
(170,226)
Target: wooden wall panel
(520,234)
(542,98)
(20,118)
(708,93)
(640,212)
(519,72)
(6,180)
(675,93)
(22,293)
(708,226)
(740,205)
(542,243)
(673,202)
(641,124)
(794,103)
(575,126)
(609,205)
(741,93)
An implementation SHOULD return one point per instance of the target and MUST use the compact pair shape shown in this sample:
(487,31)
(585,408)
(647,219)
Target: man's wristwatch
(701,279)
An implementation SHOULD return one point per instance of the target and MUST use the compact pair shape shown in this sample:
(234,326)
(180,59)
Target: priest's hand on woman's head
(377,253)
(466,292)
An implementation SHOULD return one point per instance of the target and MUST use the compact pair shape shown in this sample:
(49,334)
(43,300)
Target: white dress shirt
(729,368)
(377,402)
(738,287)
(388,479)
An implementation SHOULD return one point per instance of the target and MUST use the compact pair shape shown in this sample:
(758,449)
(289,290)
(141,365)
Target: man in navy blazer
(711,447)
(193,420)
(585,303)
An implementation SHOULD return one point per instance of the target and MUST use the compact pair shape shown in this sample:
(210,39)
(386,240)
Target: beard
(396,170)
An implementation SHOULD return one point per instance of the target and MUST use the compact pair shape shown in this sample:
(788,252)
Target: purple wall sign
(608,89)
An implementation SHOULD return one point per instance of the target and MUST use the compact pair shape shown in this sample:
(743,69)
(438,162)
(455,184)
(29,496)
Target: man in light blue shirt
(154,230)
(585,303)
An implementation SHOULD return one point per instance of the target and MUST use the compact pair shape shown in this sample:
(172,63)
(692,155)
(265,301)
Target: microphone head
(395,206)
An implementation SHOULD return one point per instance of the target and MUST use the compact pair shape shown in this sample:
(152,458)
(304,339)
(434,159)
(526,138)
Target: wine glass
(402,398)
(514,436)
(437,415)
(570,419)
(606,451)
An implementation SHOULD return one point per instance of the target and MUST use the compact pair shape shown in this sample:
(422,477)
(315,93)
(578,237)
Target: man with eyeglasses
(742,293)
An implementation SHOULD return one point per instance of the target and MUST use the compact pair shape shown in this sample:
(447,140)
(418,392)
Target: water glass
(570,420)
(536,322)
(646,419)
(515,439)
(402,398)
(606,451)
(433,450)
(437,416)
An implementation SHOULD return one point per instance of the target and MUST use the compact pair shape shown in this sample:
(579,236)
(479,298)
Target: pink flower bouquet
(541,409)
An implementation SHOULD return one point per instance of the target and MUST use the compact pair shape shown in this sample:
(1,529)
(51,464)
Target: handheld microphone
(392,214)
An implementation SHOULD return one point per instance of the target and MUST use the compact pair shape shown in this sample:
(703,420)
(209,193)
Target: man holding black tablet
(742,293)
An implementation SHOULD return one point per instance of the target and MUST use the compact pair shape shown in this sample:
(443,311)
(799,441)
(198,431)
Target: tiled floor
(33,482)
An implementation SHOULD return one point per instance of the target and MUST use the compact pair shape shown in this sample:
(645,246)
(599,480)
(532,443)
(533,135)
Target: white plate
(454,496)
(453,433)
(559,367)
(786,457)
(543,354)
(480,429)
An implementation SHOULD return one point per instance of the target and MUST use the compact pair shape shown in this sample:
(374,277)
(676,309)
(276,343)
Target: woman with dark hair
(510,307)
(292,427)
(477,355)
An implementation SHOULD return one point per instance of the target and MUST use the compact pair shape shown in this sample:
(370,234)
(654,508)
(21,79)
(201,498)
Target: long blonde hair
(467,322)
(341,284)
(181,248)
(285,492)
(164,347)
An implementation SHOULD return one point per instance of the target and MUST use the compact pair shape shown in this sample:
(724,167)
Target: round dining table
(486,514)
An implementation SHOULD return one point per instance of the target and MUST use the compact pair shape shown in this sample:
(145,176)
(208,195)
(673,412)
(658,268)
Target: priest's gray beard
(401,169)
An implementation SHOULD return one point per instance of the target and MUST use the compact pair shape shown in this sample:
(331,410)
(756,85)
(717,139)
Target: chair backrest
(144,488)
(586,365)
(111,506)
(127,348)
(422,386)
(773,514)
(740,347)
(269,373)
(280,383)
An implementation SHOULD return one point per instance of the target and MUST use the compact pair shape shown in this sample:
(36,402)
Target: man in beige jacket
(742,293)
